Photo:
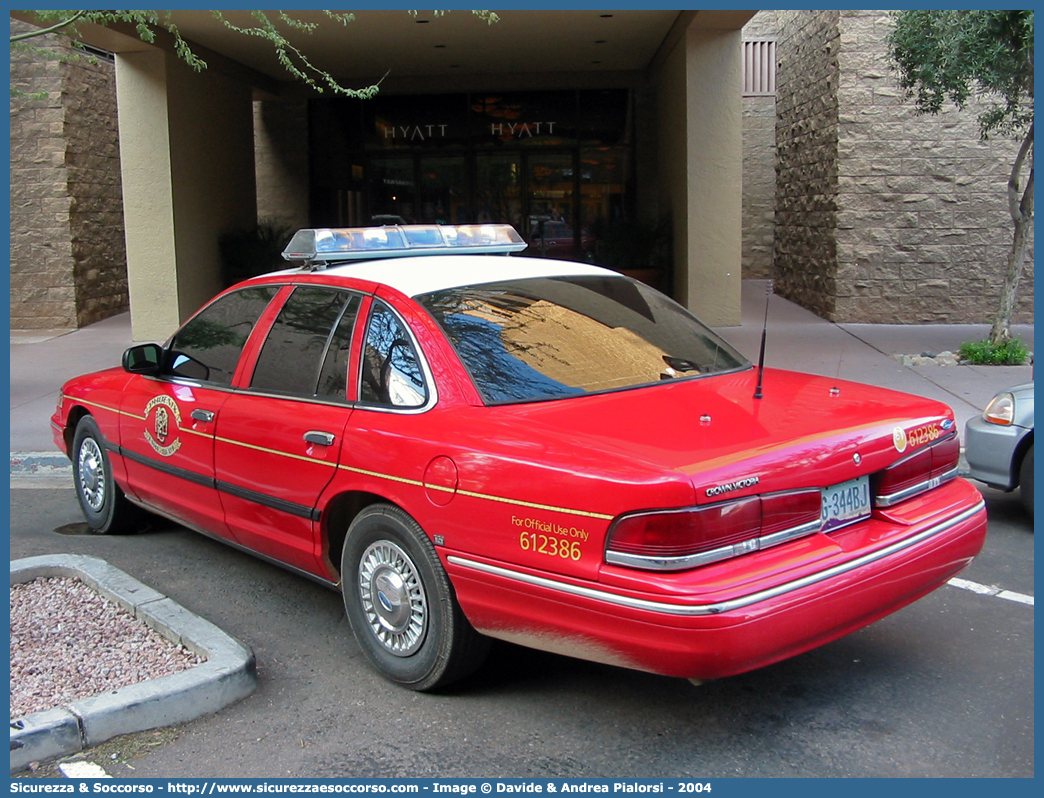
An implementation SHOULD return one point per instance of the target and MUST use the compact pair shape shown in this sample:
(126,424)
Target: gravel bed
(68,643)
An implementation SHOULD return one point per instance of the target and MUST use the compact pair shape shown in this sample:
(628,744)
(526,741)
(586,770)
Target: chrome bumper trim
(723,606)
(893,499)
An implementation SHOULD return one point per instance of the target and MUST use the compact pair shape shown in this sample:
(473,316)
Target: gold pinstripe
(377,474)
(100,406)
(197,433)
(534,506)
(266,450)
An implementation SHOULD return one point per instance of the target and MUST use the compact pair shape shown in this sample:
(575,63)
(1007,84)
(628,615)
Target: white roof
(421,275)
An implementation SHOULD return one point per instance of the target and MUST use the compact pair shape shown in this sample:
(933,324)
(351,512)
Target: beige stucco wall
(701,166)
(186,143)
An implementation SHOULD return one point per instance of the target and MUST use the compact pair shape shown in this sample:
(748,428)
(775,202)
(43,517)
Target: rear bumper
(716,638)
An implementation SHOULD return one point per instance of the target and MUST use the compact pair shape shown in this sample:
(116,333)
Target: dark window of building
(603,117)
(524,119)
(557,165)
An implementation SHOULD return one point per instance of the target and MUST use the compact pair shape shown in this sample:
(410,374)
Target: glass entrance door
(551,225)
(498,189)
(443,191)
(392,191)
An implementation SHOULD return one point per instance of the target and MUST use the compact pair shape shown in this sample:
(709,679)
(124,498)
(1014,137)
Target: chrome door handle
(319,437)
(202,415)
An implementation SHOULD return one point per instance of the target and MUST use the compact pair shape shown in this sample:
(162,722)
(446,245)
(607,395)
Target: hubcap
(92,474)
(393,598)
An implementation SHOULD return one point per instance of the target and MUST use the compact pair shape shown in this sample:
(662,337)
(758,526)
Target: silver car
(999,443)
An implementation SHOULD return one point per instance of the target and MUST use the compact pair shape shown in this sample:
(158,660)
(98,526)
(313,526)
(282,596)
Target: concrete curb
(228,675)
(43,464)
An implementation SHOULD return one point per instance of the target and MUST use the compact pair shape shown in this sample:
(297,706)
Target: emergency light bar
(397,241)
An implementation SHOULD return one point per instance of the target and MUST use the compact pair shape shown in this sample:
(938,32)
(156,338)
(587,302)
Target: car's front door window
(208,347)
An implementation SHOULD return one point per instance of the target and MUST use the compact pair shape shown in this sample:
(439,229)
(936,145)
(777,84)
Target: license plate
(846,503)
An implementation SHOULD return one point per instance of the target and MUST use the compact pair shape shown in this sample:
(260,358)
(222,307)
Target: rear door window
(306,352)
(392,374)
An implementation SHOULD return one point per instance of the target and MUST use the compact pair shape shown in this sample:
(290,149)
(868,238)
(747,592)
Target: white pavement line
(986,590)
(83,770)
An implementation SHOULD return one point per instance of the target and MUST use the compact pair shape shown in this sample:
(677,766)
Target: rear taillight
(922,471)
(671,540)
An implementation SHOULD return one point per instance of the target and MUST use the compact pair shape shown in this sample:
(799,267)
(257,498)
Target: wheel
(1026,481)
(401,604)
(104,506)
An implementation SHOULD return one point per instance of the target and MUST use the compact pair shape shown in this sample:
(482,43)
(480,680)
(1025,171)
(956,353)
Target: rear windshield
(550,337)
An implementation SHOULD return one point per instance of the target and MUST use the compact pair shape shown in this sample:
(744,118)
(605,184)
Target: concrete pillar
(186,149)
(700,114)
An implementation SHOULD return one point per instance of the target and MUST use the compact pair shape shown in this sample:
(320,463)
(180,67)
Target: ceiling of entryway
(406,46)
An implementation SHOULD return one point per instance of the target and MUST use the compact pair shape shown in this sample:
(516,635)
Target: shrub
(248,253)
(984,353)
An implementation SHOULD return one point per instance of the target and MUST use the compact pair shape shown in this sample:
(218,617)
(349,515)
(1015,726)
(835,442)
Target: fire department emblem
(899,439)
(158,431)
(162,424)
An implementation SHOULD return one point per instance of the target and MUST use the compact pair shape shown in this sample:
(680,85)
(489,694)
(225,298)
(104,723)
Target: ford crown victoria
(472,446)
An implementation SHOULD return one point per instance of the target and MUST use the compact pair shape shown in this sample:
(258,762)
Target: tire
(1026,481)
(401,604)
(104,506)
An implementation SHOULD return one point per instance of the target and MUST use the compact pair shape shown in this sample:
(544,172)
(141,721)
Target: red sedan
(546,452)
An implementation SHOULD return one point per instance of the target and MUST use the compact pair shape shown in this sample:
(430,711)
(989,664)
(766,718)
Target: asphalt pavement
(942,688)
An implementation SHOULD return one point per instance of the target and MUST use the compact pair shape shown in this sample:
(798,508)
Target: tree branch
(44,31)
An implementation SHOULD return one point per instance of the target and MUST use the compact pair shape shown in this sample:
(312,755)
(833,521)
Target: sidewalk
(41,361)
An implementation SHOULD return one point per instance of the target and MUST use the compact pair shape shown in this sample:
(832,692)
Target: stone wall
(68,259)
(759,166)
(805,252)
(923,230)
(882,215)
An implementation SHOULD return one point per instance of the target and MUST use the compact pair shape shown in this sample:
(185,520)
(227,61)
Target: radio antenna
(764,334)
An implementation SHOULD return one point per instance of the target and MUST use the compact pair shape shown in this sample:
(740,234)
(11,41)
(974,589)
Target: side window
(333,378)
(208,347)
(306,352)
(391,370)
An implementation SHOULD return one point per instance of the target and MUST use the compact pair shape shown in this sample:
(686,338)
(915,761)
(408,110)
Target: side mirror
(143,359)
